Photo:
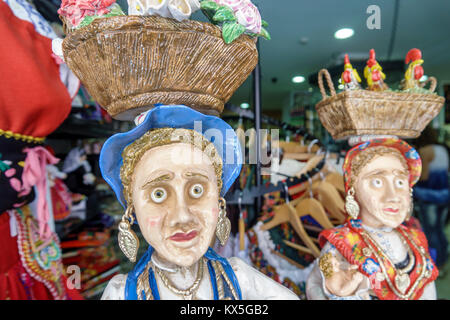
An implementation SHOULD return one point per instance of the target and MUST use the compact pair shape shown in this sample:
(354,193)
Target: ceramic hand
(344,283)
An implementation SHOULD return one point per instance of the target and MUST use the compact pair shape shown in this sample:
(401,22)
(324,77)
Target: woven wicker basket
(364,112)
(129,63)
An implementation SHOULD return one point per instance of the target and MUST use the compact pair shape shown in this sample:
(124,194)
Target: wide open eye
(377,182)
(400,183)
(196,191)
(159,195)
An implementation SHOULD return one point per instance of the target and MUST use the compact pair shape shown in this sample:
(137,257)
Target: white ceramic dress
(254,285)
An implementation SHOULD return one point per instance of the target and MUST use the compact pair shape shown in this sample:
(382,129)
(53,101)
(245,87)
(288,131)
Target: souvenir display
(171,171)
(374,255)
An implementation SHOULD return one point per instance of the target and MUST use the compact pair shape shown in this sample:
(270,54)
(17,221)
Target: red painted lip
(391,210)
(184,236)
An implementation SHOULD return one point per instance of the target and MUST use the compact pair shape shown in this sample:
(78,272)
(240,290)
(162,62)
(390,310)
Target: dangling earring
(351,206)
(128,241)
(223,224)
(411,205)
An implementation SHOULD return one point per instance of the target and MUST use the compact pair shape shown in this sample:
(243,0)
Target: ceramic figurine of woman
(170,173)
(373,255)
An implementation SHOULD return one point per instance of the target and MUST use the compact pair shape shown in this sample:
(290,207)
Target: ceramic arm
(115,290)
(345,284)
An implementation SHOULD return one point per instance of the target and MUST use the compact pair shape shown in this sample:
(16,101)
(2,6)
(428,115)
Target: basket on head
(130,63)
(363,112)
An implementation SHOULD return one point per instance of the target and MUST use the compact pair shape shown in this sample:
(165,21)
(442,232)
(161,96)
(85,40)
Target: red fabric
(15,282)
(33,100)
(348,241)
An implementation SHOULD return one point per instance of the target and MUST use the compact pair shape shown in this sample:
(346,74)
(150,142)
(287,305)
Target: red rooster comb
(413,55)
(371,62)
(346,59)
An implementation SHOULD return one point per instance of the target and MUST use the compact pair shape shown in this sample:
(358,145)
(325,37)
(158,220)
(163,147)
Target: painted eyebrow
(376,172)
(401,172)
(191,174)
(161,178)
(396,172)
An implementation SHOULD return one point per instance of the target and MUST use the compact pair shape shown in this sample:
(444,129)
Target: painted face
(175,198)
(382,191)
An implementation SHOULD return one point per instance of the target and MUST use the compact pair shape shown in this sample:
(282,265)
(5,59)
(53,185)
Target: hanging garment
(261,254)
(30,269)
(34,101)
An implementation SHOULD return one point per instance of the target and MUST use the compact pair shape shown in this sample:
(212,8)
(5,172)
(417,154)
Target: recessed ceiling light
(298,79)
(245,105)
(423,78)
(344,33)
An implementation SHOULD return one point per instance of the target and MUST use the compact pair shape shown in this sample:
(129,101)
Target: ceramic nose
(390,194)
(181,213)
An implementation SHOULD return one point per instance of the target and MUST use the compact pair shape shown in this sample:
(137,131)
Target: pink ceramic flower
(249,17)
(233,4)
(246,13)
(77,10)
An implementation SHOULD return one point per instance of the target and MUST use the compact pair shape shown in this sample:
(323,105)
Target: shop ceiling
(303,39)
(424,24)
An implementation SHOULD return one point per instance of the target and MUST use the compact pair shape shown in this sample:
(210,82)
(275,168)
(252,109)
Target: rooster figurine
(374,74)
(350,77)
(414,71)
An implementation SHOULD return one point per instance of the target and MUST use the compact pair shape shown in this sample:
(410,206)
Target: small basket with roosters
(378,110)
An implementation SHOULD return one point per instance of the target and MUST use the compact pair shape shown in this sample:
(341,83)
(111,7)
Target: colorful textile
(61,200)
(35,174)
(285,231)
(409,153)
(33,100)
(12,162)
(350,243)
(25,11)
(262,265)
(16,282)
(41,258)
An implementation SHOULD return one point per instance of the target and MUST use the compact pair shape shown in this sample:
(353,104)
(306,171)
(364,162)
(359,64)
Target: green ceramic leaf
(115,11)
(265,34)
(223,14)
(264,23)
(87,20)
(209,5)
(231,31)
